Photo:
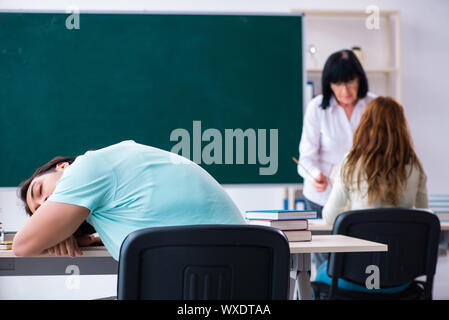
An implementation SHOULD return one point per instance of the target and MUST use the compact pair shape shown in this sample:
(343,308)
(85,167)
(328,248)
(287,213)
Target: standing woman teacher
(329,125)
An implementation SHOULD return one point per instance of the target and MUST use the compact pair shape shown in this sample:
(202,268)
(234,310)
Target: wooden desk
(336,243)
(319,226)
(301,262)
(97,260)
(97,251)
(94,261)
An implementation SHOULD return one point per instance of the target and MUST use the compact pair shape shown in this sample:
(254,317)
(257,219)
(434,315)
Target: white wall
(425,48)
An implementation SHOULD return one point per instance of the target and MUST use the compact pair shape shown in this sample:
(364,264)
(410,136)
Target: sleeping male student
(117,189)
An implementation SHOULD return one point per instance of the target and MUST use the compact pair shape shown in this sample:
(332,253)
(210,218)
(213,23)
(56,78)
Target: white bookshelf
(333,30)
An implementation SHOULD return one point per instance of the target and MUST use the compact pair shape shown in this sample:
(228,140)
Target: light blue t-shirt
(130,186)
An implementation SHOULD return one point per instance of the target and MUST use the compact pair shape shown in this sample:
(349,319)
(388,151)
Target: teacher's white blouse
(326,138)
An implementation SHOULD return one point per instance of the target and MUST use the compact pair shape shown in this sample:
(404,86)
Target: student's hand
(87,239)
(68,247)
(320,183)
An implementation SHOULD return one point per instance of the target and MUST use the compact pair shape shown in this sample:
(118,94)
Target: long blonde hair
(381,150)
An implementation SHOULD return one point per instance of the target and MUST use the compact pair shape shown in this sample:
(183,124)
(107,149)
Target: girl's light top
(343,198)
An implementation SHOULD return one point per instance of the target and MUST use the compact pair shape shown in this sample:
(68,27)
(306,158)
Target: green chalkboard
(142,76)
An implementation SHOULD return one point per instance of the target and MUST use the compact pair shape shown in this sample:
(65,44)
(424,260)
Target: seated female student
(381,170)
(117,189)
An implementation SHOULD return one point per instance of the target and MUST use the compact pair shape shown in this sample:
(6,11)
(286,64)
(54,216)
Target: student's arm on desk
(50,227)
(337,201)
(70,245)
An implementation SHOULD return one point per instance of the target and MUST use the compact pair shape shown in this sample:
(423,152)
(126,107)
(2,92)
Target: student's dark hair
(342,66)
(46,168)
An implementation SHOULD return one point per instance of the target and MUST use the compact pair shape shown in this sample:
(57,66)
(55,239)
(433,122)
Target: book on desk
(280,214)
(293,223)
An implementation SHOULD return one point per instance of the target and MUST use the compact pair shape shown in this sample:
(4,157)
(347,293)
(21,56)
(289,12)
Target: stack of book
(293,223)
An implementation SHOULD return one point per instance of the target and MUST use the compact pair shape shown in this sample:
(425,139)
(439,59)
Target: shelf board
(380,70)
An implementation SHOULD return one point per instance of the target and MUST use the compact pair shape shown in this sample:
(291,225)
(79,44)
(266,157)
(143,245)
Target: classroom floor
(441,281)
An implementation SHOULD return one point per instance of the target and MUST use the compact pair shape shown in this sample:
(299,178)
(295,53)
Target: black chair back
(204,262)
(411,235)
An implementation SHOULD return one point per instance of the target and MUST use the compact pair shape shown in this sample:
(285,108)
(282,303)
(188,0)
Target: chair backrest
(204,262)
(411,235)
